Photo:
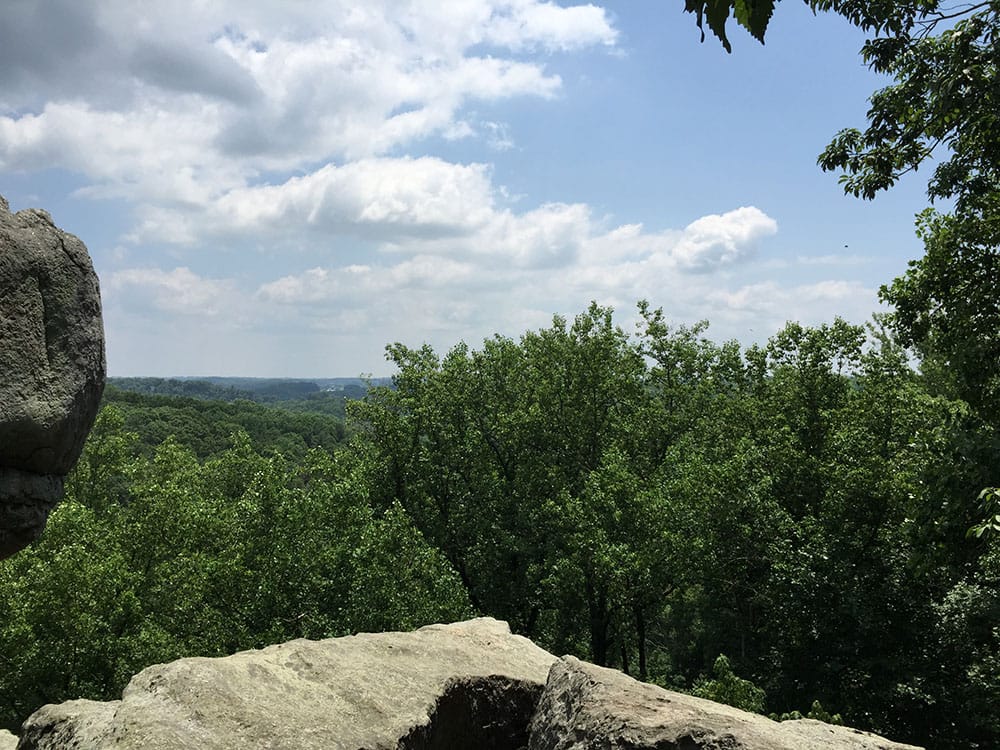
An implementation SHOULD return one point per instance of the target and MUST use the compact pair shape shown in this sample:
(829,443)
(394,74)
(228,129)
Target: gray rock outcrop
(7,740)
(52,367)
(585,706)
(466,685)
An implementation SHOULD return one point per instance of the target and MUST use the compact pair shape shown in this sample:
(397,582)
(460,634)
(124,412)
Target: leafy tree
(947,308)
(961,662)
(989,499)
(399,581)
(613,557)
(861,566)
(496,456)
(752,15)
(809,370)
(101,477)
(66,606)
(945,92)
(654,501)
(943,60)
(726,687)
(816,711)
(151,559)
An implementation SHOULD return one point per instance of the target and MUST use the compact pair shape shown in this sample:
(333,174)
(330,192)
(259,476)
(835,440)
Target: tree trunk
(598,610)
(640,635)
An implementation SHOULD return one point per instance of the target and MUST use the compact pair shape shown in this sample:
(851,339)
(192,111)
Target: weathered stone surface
(7,740)
(466,685)
(444,687)
(52,367)
(585,707)
(26,500)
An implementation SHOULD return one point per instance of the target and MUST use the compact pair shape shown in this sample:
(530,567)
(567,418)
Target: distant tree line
(262,390)
(206,426)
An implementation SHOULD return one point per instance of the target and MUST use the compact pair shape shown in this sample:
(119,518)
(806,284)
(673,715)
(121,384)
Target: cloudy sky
(282,188)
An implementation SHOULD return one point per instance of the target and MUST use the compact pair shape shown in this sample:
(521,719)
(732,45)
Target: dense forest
(308,395)
(651,500)
(290,426)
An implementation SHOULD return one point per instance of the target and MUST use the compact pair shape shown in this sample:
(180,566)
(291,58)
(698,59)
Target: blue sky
(281,189)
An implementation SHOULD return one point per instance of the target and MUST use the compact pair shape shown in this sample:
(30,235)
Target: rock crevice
(479,713)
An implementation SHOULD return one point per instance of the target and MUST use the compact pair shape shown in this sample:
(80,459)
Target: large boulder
(7,740)
(466,685)
(585,706)
(52,367)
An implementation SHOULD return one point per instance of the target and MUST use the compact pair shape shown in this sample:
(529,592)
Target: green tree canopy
(943,59)
(943,101)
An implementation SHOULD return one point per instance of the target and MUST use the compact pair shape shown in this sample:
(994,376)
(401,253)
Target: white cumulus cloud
(716,239)
(241,135)
(179,292)
(390,197)
(176,105)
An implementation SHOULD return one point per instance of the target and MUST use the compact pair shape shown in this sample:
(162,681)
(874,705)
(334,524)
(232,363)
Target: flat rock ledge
(470,684)
(464,686)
